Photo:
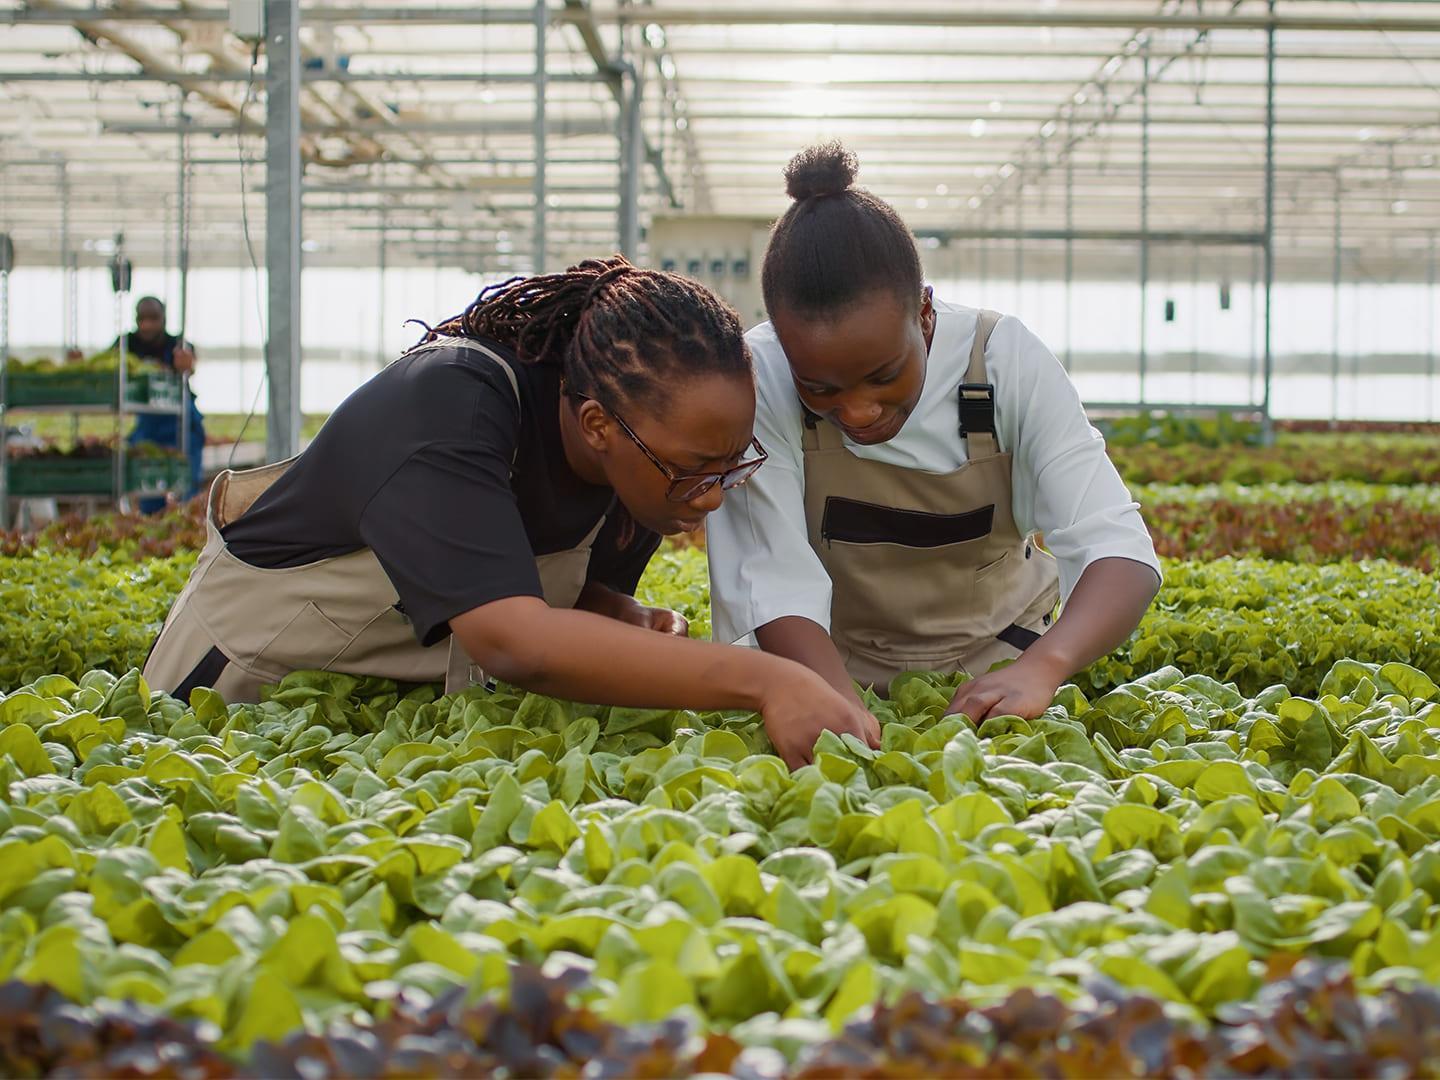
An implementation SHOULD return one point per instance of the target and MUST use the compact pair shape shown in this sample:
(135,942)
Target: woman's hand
(1108,602)
(664,620)
(1018,690)
(801,705)
(616,605)
(584,657)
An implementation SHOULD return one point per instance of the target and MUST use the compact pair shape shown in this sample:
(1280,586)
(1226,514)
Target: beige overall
(251,626)
(929,571)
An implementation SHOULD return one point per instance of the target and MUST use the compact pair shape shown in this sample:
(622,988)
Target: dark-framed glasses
(687,486)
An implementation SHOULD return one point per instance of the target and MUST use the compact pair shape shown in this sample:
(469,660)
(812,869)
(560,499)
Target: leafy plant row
(1366,427)
(1310,1022)
(1296,522)
(1163,429)
(1249,620)
(68,614)
(1170,430)
(118,536)
(1305,459)
(306,860)
(1259,623)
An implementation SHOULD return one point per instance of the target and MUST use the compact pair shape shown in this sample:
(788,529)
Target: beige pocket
(309,640)
(386,647)
(985,571)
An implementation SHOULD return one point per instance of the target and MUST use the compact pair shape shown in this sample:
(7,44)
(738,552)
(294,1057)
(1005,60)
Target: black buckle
(977,413)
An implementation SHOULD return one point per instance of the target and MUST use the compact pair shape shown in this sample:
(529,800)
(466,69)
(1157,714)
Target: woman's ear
(927,311)
(595,425)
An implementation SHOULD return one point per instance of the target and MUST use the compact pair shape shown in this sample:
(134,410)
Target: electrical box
(7,253)
(247,19)
(723,252)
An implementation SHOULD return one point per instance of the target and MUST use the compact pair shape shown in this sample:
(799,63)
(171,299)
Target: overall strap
(817,434)
(453,342)
(977,395)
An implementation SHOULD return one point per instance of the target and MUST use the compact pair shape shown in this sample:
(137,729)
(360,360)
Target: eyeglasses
(687,486)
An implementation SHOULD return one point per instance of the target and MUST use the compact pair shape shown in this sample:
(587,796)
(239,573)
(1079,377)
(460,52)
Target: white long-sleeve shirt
(762,567)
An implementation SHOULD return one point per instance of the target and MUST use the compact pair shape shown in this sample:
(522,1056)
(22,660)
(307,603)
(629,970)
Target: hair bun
(825,169)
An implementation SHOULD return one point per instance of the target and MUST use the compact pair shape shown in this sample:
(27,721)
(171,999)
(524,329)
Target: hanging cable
(249,248)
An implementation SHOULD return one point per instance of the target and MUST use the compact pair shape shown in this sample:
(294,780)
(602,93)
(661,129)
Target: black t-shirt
(416,466)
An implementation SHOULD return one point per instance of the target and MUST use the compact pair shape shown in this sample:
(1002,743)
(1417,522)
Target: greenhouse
(651,538)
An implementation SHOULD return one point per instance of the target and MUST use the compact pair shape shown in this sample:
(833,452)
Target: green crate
(155,474)
(61,476)
(60,388)
(35,476)
(154,388)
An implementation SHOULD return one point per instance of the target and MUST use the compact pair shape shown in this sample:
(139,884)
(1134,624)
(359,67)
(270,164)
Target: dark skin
(709,448)
(863,370)
(604,652)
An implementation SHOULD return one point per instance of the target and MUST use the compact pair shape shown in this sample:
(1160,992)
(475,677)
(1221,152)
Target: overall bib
(236,627)
(929,571)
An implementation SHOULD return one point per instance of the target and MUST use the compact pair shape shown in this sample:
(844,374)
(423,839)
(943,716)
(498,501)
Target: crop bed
(299,861)
(1253,621)
(1332,522)
(1216,854)
(1303,459)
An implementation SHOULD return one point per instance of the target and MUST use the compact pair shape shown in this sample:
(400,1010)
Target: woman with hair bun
(917,448)
(486,504)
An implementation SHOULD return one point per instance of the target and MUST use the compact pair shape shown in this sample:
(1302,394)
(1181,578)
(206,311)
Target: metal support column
(7,254)
(382,358)
(1430,333)
(1269,353)
(632,157)
(71,329)
(1254,324)
(182,264)
(1336,270)
(542,23)
(1020,245)
(182,225)
(984,270)
(282,225)
(120,281)
(1069,257)
(1195,323)
(1144,212)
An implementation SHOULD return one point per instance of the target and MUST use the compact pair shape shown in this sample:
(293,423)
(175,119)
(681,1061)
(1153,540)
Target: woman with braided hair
(486,505)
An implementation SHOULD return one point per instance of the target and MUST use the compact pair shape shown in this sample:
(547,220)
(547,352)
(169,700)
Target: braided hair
(619,334)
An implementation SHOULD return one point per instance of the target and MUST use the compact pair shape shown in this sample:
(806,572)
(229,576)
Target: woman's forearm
(1106,605)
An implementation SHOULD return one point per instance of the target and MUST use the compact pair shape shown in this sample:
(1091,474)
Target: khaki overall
(929,571)
(236,627)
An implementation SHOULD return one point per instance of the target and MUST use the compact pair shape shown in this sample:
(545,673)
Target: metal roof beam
(557,126)
(580,15)
(727,15)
